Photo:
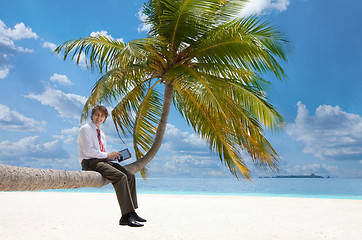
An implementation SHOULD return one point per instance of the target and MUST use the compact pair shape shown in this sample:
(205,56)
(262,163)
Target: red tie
(99,140)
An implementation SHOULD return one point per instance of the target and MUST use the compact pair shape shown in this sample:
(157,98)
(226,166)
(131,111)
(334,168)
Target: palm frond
(114,85)
(104,89)
(248,93)
(142,51)
(146,122)
(101,51)
(123,114)
(245,43)
(207,124)
(183,21)
(227,114)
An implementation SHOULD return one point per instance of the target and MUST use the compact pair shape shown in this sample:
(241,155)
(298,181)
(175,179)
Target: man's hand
(113,155)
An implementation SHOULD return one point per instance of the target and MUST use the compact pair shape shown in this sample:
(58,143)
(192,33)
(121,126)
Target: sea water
(269,187)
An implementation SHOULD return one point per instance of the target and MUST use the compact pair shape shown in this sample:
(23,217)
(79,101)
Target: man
(93,155)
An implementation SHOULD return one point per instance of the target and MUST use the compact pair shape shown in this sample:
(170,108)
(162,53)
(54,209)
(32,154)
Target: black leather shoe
(129,221)
(137,218)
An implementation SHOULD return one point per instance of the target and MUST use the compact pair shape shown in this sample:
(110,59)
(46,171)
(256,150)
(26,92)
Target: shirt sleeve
(87,145)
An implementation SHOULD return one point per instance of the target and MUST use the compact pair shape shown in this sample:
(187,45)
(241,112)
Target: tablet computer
(126,154)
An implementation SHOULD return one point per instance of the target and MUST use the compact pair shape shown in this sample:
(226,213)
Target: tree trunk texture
(32,179)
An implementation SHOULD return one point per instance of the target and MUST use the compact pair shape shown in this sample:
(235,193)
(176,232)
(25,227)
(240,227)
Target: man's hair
(101,108)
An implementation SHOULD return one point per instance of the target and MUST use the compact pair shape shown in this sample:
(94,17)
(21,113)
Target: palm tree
(209,63)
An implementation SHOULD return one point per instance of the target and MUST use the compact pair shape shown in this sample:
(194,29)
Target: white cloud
(185,154)
(105,34)
(4,71)
(306,170)
(330,134)
(143,27)
(13,121)
(102,33)
(178,141)
(323,170)
(61,79)
(68,105)
(71,131)
(49,45)
(264,6)
(31,147)
(71,140)
(188,166)
(69,136)
(7,45)
(20,31)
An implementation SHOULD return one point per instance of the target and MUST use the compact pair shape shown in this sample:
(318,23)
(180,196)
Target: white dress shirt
(88,145)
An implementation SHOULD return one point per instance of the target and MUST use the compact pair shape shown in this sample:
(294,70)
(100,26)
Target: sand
(59,215)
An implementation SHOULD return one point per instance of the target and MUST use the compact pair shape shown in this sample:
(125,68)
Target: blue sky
(41,96)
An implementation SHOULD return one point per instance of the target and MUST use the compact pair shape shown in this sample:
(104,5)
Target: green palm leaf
(147,120)
(244,43)
(101,51)
(224,118)
(209,127)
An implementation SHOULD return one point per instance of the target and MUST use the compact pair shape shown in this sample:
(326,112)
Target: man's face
(98,118)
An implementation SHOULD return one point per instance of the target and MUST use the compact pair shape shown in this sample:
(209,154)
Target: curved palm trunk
(31,179)
(160,133)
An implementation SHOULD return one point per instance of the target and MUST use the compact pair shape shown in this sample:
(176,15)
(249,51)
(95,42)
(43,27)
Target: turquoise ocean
(334,188)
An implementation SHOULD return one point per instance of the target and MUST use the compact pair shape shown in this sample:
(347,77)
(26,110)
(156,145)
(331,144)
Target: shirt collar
(93,125)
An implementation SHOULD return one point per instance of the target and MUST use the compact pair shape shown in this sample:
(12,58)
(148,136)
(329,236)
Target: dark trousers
(124,183)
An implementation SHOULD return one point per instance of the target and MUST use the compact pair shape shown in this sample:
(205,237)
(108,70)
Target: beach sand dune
(59,215)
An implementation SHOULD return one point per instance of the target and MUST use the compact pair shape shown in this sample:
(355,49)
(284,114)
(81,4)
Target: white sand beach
(59,215)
